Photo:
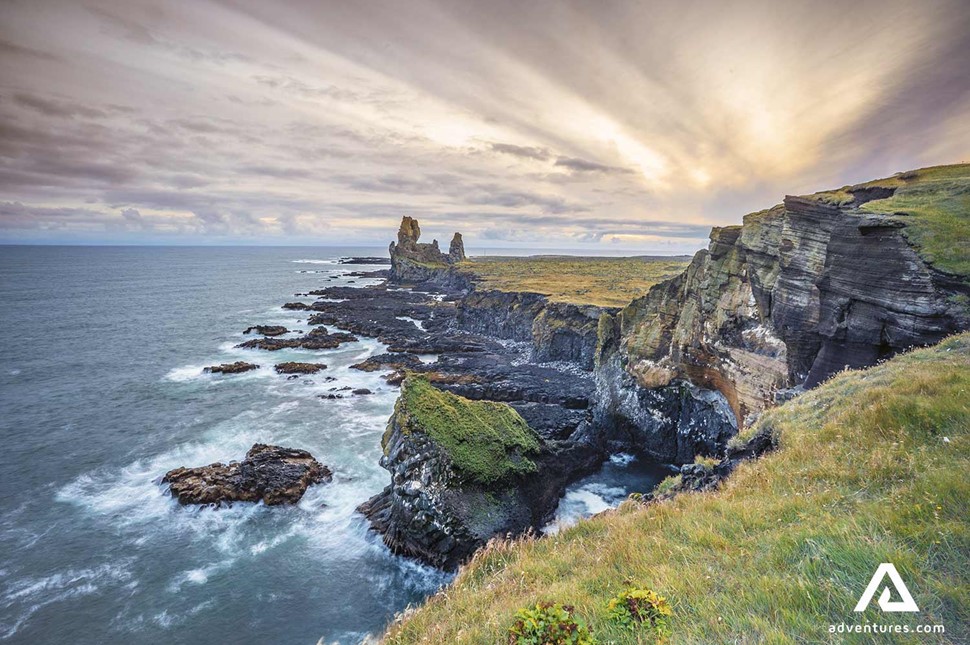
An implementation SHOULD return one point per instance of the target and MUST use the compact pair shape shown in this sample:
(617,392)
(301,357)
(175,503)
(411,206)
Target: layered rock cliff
(797,293)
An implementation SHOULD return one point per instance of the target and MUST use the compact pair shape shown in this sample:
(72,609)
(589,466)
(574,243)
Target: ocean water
(102,392)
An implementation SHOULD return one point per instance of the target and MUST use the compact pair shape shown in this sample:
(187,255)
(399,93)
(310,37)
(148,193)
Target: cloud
(584,165)
(561,123)
(526,152)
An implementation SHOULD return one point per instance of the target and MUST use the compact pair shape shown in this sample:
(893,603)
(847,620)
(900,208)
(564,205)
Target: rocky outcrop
(270,474)
(231,368)
(795,294)
(299,368)
(456,250)
(465,471)
(414,262)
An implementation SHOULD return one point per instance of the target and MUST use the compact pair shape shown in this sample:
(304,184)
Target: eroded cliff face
(795,294)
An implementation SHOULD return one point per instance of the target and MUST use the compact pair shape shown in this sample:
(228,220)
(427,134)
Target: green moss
(486,441)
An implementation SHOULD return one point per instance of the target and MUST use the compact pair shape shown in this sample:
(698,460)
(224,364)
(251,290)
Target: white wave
(186,373)
(310,261)
(622,459)
(31,594)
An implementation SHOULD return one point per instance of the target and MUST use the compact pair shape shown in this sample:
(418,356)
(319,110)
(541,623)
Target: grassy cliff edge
(871,468)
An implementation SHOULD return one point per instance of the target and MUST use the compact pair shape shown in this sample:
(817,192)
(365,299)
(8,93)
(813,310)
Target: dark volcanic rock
(361,391)
(298,306)
(434,513)
(231,368)
(268,330)
(318,338)
(270,474)
(396,361)
(299,368)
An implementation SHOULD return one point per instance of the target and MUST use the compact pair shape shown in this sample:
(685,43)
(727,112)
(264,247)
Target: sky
(605,126)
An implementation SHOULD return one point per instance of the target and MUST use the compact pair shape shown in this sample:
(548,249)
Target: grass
(608,282)
(872,467)
(936,204)
(486,441)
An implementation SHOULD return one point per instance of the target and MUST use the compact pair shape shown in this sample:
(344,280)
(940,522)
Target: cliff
(795,294)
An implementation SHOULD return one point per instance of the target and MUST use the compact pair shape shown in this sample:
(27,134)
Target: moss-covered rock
(485,441)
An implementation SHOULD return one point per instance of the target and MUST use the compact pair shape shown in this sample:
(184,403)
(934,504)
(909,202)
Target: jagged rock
(361,391)
(299,368)
(267,330)
(414,262)
(297,306)
(456,250)
(271,474)
(231,368)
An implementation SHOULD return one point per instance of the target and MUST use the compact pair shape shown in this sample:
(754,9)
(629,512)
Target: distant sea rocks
(267,330)
(271,474)
(231,368)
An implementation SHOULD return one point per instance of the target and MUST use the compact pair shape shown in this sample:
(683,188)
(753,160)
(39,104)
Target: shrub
(549,624)
(638,609)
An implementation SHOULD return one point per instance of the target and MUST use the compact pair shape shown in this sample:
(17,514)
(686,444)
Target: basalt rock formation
(413,261)
(270,474)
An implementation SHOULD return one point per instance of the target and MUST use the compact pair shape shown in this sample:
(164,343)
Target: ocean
(102,392)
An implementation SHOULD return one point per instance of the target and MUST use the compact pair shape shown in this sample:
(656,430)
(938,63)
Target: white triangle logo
(887,569)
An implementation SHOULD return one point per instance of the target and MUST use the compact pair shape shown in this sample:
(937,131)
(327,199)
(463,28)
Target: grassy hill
(935,204)
(872,467)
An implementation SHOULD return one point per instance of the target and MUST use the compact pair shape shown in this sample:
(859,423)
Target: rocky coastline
(773,307)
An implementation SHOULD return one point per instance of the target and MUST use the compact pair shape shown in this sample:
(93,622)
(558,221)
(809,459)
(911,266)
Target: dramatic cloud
(632,124)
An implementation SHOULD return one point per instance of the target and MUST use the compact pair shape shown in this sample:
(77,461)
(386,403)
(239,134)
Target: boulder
(271,474)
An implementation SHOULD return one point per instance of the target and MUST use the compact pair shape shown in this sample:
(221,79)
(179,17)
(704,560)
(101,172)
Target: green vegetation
(486,441)
(642,611)
(548,624)
(610,282)
(871,467)
(935,203)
